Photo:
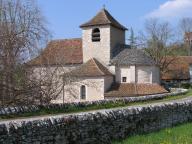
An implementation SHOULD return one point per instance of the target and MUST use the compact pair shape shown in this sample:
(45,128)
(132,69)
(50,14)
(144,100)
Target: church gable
(92,68)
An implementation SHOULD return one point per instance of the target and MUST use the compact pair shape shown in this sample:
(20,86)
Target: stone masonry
(96,127)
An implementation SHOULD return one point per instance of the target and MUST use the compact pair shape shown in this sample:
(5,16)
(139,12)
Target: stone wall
(147,74)
(139,74)
(117,37)
(34,108)
(108,81)
(128,72)
(99,127)
(40,73)
(94,90)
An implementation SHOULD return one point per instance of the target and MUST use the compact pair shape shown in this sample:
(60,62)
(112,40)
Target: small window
(96,35)
(124,79)
(83,92)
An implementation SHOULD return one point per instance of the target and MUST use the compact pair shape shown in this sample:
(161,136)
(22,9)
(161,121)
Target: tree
(132,39)
(156,40)
(185,24)
(22,32)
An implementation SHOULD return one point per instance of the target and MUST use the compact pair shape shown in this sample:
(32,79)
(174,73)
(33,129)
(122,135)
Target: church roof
(178,69)
(91,68)
(103,18)
(60,52)
(131,89)
(130,56)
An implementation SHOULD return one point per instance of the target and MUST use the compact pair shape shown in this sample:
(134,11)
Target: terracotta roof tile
(131,89)
(60,52)
(178,69)
(91,68)
(103,18)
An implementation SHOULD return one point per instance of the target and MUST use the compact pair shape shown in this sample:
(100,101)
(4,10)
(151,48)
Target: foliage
(179,50)
(132,39)
(177,135)
(186,85)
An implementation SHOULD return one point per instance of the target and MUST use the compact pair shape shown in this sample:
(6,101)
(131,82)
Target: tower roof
(103,18)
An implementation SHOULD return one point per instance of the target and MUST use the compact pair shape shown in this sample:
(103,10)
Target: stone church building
(100,63)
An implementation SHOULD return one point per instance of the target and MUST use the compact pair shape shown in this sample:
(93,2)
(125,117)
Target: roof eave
(92,25)
(74,75)
(114,64)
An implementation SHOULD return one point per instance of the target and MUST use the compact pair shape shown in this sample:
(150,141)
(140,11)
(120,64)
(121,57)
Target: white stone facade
(99,50)
(117,37)
(95,89)
(138,74)
(147,74)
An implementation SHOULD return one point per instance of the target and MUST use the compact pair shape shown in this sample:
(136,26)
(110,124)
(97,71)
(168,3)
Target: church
(101,64)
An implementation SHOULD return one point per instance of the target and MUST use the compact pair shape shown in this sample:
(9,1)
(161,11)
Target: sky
(65,16)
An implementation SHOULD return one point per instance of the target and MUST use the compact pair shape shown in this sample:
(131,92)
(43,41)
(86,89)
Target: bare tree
(22,31)
(185,25)
(156,40)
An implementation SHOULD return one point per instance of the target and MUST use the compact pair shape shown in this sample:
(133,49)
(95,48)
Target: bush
(186,85)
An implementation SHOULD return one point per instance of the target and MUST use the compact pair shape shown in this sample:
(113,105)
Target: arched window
(83,92)
(96,35)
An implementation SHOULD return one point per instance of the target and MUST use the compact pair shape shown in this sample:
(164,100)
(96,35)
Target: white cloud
(172,9)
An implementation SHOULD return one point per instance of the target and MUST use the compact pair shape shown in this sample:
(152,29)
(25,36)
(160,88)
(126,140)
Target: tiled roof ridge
(65,39)
(91,68)
(94,60)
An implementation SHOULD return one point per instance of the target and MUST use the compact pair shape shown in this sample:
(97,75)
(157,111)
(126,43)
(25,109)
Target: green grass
(73,109)
(181,134)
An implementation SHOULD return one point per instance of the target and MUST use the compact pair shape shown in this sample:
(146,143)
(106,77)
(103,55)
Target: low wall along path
(95,127)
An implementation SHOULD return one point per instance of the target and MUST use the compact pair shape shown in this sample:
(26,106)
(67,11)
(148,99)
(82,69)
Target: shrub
(186,85)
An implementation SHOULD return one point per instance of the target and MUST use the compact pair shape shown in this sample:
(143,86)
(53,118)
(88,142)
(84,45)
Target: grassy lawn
(73,109)
(181,134)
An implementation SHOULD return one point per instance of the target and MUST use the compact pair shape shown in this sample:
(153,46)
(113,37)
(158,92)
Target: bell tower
(100,37)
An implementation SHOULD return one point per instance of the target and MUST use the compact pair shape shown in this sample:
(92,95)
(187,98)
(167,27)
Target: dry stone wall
(126,100)
(99,127)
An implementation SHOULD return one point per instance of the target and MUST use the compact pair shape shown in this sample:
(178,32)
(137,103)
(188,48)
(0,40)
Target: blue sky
(65,16)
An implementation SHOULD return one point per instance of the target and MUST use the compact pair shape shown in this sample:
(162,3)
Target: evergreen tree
(132,39)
